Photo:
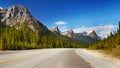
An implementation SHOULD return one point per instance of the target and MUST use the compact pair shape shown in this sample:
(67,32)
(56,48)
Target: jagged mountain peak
(55,30)
(93,35)
(18,16)
(17,13)
(19,9)
(84,33)
(69,33)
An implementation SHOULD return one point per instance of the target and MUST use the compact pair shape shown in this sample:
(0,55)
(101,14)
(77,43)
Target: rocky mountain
(55,30)
(69,33)
(84,33)
(81,37)
(84,38)
(87,38)
(20,17)
(93,35)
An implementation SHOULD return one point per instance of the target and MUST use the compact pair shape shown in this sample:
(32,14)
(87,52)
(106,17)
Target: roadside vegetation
(111,44)
(12,39)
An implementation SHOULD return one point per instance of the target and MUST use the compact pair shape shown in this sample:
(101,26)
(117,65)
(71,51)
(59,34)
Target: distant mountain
(93,35)
(55,30)
(27,30)
(19,17)
(110,45)
(79,37)
(20,30)
(69,33)
(85,38)
(84,33)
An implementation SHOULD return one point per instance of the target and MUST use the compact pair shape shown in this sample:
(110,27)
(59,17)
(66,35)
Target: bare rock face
(2,13)
(68,33)
(18,16)
(93,35)
(55,30)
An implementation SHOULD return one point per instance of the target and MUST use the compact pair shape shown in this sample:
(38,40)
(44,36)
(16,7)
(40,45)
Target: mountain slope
(79,37)
(109,45)
(69,33)
(84,38)
(55,30)
(19,17)
(93,35)
(112,41)
(20,30)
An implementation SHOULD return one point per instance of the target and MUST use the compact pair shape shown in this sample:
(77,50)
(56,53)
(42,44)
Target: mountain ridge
(55,30)
(82,37)
(93,35)
(27,32)
(18,16)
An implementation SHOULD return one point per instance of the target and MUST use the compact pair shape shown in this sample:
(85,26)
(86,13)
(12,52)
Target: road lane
(46,58)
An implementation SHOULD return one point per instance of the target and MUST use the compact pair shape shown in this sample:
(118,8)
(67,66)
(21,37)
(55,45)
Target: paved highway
(42,58)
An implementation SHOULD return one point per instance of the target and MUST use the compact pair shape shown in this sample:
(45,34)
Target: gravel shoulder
(98,59)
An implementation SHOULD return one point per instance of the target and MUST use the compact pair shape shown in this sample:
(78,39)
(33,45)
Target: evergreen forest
(12,39)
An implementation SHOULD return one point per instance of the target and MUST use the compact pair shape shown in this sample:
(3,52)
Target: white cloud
(60,23)
(102,30)
(1,8)
(63,28)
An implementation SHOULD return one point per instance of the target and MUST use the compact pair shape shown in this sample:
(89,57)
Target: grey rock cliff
(18,16)
(69,33)
(55,30)
(93,35)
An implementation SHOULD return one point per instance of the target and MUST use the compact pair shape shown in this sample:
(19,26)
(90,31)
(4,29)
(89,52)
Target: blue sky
(79,15)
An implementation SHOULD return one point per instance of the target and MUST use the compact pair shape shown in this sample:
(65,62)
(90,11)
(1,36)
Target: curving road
(42,58)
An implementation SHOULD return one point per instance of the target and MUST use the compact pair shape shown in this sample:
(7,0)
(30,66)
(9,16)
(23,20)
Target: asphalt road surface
(42,58)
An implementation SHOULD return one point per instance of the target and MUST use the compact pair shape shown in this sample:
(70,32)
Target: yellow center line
(16,58)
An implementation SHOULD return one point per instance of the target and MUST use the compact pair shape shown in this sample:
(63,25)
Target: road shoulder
(97,60)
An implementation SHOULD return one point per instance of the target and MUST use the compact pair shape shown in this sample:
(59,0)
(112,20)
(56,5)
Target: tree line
(12,39)
(112,41)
